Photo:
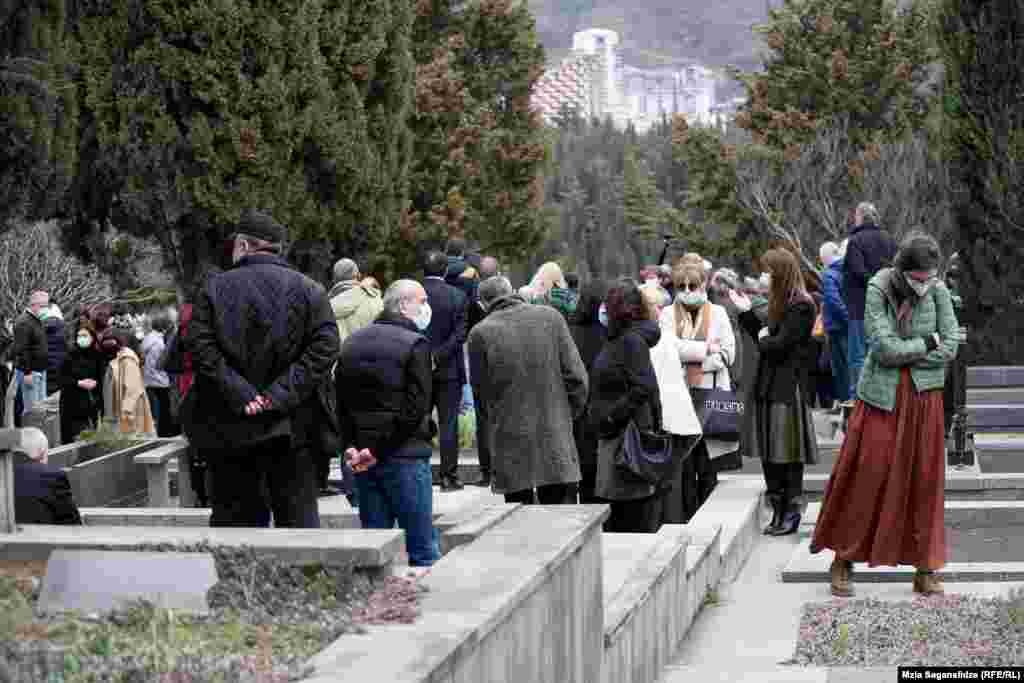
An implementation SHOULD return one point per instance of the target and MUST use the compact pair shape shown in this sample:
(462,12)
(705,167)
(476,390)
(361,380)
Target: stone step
(996,395)
(995,417)
(995,376)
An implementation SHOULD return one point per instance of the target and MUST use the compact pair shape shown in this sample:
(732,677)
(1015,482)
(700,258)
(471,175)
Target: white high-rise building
(593,80)
(603,45)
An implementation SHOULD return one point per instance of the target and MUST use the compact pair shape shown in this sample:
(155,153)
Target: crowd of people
(584,392)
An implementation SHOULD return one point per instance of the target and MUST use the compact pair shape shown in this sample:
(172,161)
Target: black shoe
(484,481)
(790,524)
(776,523)
(451,484)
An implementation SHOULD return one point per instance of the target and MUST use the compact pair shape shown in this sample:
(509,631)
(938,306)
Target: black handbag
(645,455)
(720,412)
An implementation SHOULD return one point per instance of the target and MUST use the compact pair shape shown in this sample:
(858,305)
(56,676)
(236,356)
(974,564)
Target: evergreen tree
(642,205)
(194,111)
(984,107)
(37,110)
(479,149)
(844,82)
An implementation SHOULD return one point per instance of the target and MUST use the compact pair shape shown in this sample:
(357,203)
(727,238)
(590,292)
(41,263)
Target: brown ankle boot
(927,583)
(840,571)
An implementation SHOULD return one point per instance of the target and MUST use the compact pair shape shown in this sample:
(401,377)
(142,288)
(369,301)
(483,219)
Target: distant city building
(593,81)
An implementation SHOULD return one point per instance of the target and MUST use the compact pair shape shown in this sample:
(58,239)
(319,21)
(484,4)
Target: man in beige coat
(355,305)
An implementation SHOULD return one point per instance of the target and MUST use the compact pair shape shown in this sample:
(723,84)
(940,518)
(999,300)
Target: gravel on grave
(943,630)
(253,590)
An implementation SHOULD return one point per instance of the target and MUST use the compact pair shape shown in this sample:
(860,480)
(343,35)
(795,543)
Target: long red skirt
(884,501)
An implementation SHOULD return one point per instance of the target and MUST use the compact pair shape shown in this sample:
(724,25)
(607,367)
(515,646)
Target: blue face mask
(602,315)
(422,320)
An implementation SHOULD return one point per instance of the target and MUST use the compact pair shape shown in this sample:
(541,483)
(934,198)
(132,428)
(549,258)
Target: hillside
(659,32)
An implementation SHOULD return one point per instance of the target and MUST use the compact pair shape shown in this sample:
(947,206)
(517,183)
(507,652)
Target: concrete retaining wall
(111,480)
(522,602)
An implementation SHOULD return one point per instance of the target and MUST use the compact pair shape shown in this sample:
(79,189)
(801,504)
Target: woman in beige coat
(124,393)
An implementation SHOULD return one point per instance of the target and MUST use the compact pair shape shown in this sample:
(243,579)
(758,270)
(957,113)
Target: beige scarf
(693,330)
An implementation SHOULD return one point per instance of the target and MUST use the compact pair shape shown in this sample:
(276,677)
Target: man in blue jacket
(869,250)
(835,316)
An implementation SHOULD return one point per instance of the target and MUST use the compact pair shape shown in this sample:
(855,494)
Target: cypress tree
(37,110)
(983,48)
(195,110)
(479,149)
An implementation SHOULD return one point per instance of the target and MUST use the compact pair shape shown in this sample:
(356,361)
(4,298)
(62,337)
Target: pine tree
(479,149)
(37,110)
(197,110)
(643,208)
(984,114)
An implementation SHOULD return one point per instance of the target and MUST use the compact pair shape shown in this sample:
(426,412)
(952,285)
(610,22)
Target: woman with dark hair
(624,387)
(125,401)
(781,429)
(885,499)
(590,334)
(81,378)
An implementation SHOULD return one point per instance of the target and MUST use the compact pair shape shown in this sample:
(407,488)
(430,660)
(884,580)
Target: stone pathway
(753,628)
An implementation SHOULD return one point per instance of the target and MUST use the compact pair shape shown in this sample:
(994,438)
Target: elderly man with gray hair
(354,303)
(531,384)
(868,250)
(42,492)
(384,381)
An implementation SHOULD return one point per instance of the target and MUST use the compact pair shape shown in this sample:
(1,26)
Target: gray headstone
(101,580)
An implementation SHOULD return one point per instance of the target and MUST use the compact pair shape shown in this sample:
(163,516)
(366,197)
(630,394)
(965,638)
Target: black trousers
(642,516)
(483,448)
(323,467)
(447,396)
(704,470)
(253,482)
(680,501)
(552,494)
(784,482)
(160,405)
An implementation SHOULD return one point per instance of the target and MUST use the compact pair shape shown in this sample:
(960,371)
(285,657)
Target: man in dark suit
(447,334)
(42,492)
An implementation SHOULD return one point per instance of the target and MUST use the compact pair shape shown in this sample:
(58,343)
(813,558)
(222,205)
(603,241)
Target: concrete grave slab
(365,548)
(101,581)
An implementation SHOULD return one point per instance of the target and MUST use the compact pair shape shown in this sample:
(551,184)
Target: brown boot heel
(840,573)
(928,583)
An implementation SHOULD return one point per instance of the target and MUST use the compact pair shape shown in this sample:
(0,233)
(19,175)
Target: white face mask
(602,315)
(692,299)
(920,288)
(422,320)
(84,341)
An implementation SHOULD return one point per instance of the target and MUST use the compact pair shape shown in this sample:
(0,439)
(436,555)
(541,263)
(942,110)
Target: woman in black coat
(81,389)
(624,387)
(590,334)
(782,430)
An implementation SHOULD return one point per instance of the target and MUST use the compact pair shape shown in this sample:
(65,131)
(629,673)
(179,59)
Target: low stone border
(368,549)
(648,617)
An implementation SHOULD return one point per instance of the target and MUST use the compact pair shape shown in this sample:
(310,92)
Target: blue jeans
(855,352)
(399,490)
(33,393)
(839,344)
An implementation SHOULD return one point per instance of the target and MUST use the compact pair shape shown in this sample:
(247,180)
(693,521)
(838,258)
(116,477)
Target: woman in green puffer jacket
(885,499)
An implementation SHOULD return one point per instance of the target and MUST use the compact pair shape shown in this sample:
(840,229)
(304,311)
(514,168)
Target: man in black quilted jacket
(263,339)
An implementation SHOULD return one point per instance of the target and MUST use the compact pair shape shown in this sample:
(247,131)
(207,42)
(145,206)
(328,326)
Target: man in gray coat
(531,384)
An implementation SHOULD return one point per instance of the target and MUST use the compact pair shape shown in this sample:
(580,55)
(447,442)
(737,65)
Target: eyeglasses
(690,287)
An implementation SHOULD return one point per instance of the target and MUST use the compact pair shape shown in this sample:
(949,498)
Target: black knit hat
(261,226)
(919,251)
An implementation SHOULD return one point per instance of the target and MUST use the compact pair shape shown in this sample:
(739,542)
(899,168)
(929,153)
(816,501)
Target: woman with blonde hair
(885,500)
(781,427)
(549,288)
(706,346)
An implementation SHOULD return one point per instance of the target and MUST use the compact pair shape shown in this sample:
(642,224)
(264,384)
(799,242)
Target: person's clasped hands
(258,405)
(359,461)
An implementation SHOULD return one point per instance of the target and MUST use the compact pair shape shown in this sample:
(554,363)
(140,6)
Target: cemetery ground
(521,593)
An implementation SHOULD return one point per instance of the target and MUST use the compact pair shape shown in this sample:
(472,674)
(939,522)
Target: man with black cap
(263,339)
